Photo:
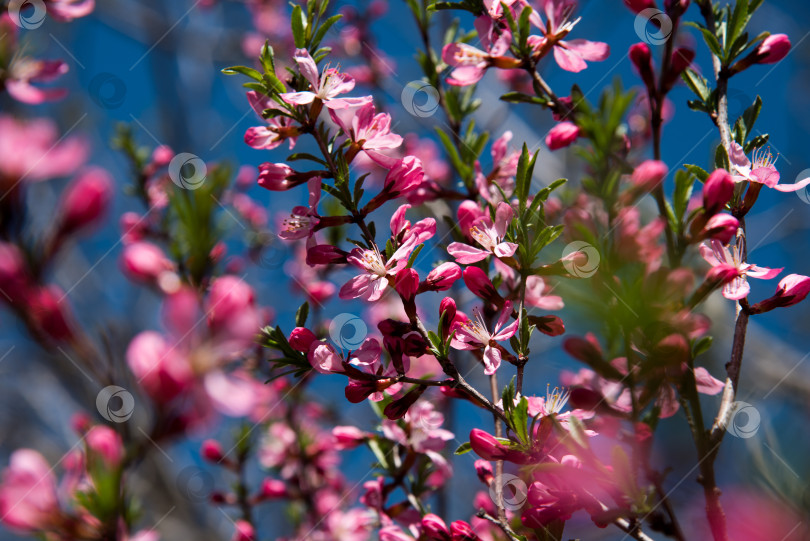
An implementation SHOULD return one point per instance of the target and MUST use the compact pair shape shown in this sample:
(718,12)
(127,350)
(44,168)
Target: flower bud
(105,442)
(447,308)
(717,191)
(275,177)
(722,227)
(407,283)
(483,468)
(435,528)
(273,489)
(562,135)
(211,450)
(792,289)
(348,437)
(637,6)
(773,49)
(244,531)
(145,262)
(443,277)
(325,254)
(681,59)
(641,58)
(50,311)
(162,156)
(649,174)
(85,200)
(399,407)
(301,339)
(13,275)
(461,531)
(479,283)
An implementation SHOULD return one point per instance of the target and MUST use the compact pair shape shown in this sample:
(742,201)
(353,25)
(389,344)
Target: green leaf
(702,346)
(298,22)
(721,158)
(327,24)
(244,70)
(267,58)
(520,97)
(736,25)
(301,315)
(463,448)
(683,190)
(756,142)
(698,171)
(696,83)
(712,43)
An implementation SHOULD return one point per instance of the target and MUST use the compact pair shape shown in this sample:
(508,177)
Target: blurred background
(156,65)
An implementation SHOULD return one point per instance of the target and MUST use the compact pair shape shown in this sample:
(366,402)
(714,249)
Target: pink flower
(570,55)
(729,264)
(278,129)
(18,72)
(470,63)
(191,360)
(562,135)
(490,236)
(424,429)
(32,150)
(473,334)
(370,132)
(85,200)
(537,294)
(28,499)
(324,358)
(324,88)
(762,170)
(303,220)
(376,272)
(405,175)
